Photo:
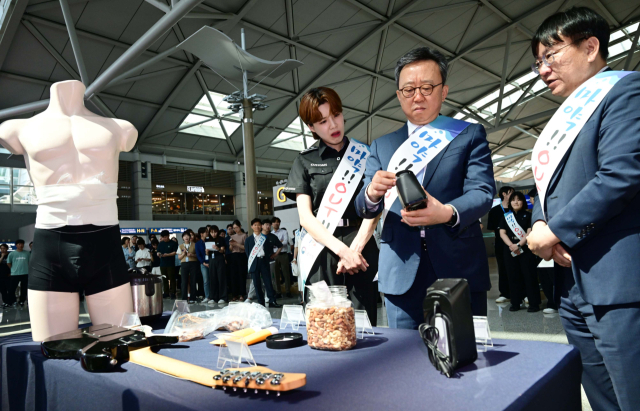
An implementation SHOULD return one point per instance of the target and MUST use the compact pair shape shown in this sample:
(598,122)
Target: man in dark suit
(443,240)
(259,268)
(591,220)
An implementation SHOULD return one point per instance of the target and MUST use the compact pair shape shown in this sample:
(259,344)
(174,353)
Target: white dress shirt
(371,205)
(283,236)
(261,250)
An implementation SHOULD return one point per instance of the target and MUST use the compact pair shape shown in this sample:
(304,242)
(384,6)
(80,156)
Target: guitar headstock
(258,378)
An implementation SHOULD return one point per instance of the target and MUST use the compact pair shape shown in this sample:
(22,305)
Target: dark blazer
(593,199)
(460,175)
(267,246)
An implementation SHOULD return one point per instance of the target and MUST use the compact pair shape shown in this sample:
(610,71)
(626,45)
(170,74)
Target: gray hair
(423,54)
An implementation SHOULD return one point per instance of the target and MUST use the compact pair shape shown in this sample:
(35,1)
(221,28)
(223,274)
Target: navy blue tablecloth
(389,370)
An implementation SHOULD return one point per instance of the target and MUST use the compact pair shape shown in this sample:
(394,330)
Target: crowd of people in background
(213,262)
(210,266)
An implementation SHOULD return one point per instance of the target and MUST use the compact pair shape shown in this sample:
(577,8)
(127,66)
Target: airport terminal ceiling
(350,45)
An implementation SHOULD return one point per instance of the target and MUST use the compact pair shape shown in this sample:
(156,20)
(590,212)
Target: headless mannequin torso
(67,150)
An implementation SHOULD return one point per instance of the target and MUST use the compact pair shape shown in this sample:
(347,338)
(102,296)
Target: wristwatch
(454,218)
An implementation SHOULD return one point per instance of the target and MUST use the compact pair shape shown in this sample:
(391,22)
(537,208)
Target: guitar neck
(204,376)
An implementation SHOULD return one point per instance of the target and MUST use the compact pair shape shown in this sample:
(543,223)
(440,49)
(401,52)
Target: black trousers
(200,283)
(260,275)
(5,281)
(546,277)
(13,286)
(218,278)
(522,276)
(503,278)
(189,272)
(363,291)
(238,274)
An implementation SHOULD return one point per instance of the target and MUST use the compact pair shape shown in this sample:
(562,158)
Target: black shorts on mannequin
(76,258)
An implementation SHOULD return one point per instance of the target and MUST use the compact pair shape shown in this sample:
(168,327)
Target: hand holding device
(382,181)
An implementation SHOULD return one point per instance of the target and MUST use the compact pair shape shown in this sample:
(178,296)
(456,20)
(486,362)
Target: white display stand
(482,332)
(181,306)
(292,314)
(234,353)
(363,325)
(130,320)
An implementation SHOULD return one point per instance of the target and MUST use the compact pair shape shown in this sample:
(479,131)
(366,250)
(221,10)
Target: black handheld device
(412,196)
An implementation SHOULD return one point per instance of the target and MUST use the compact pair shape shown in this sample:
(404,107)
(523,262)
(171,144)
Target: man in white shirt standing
(283,267)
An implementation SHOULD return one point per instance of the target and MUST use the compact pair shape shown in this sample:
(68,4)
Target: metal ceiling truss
(341,59)
(293,40)
(147,39)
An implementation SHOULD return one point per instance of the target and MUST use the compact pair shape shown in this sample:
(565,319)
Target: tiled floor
(503,323)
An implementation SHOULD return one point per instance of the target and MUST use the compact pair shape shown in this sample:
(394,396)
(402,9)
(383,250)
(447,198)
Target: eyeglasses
(425,90)
(549,58)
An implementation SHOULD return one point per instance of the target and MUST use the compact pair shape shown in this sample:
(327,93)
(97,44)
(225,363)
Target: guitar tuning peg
(277,395)
(255,391)
(235,389)
(267,392)
(224,388)
(244,389)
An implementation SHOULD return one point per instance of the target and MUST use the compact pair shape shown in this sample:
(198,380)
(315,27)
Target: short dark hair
(423,54)
(276,219)
(141,242)
(213,228)
(518,194)
(154,241)
(578,24)
(237,222)
(201,231)
(255,220)
(4,245)
(504,190)
(123,240)
(266,221)
(164,233)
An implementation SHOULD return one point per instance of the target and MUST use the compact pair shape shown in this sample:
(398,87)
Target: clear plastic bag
(192,326)
(246,315)
(330,318)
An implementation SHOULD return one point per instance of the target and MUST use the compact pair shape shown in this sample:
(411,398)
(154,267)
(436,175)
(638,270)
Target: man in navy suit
(591,227)
(443,240)
(259,269)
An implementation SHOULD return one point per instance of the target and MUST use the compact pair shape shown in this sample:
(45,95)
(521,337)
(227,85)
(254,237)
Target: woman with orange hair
(324,181)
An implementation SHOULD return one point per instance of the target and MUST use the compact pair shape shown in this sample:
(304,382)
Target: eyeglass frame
(536,68)
(433,86)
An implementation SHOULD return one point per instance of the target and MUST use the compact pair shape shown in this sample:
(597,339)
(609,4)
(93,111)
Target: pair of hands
(434,213)
(514,249)
(351,259)
(543,243)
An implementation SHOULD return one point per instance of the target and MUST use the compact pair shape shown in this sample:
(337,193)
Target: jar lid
(284,340)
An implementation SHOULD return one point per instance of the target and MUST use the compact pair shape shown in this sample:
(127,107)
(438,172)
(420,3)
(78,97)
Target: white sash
(514,226)
(422,146)
(256,248)
(565,125)
(334,202)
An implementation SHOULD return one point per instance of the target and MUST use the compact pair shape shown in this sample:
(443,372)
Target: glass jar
(331,326)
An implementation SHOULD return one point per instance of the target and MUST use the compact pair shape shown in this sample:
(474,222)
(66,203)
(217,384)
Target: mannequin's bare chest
(66,137)
(63,150)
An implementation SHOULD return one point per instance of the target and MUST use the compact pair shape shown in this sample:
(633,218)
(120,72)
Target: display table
(388,371)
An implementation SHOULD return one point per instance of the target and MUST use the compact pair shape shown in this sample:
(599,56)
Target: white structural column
(241,200)
(141,191)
